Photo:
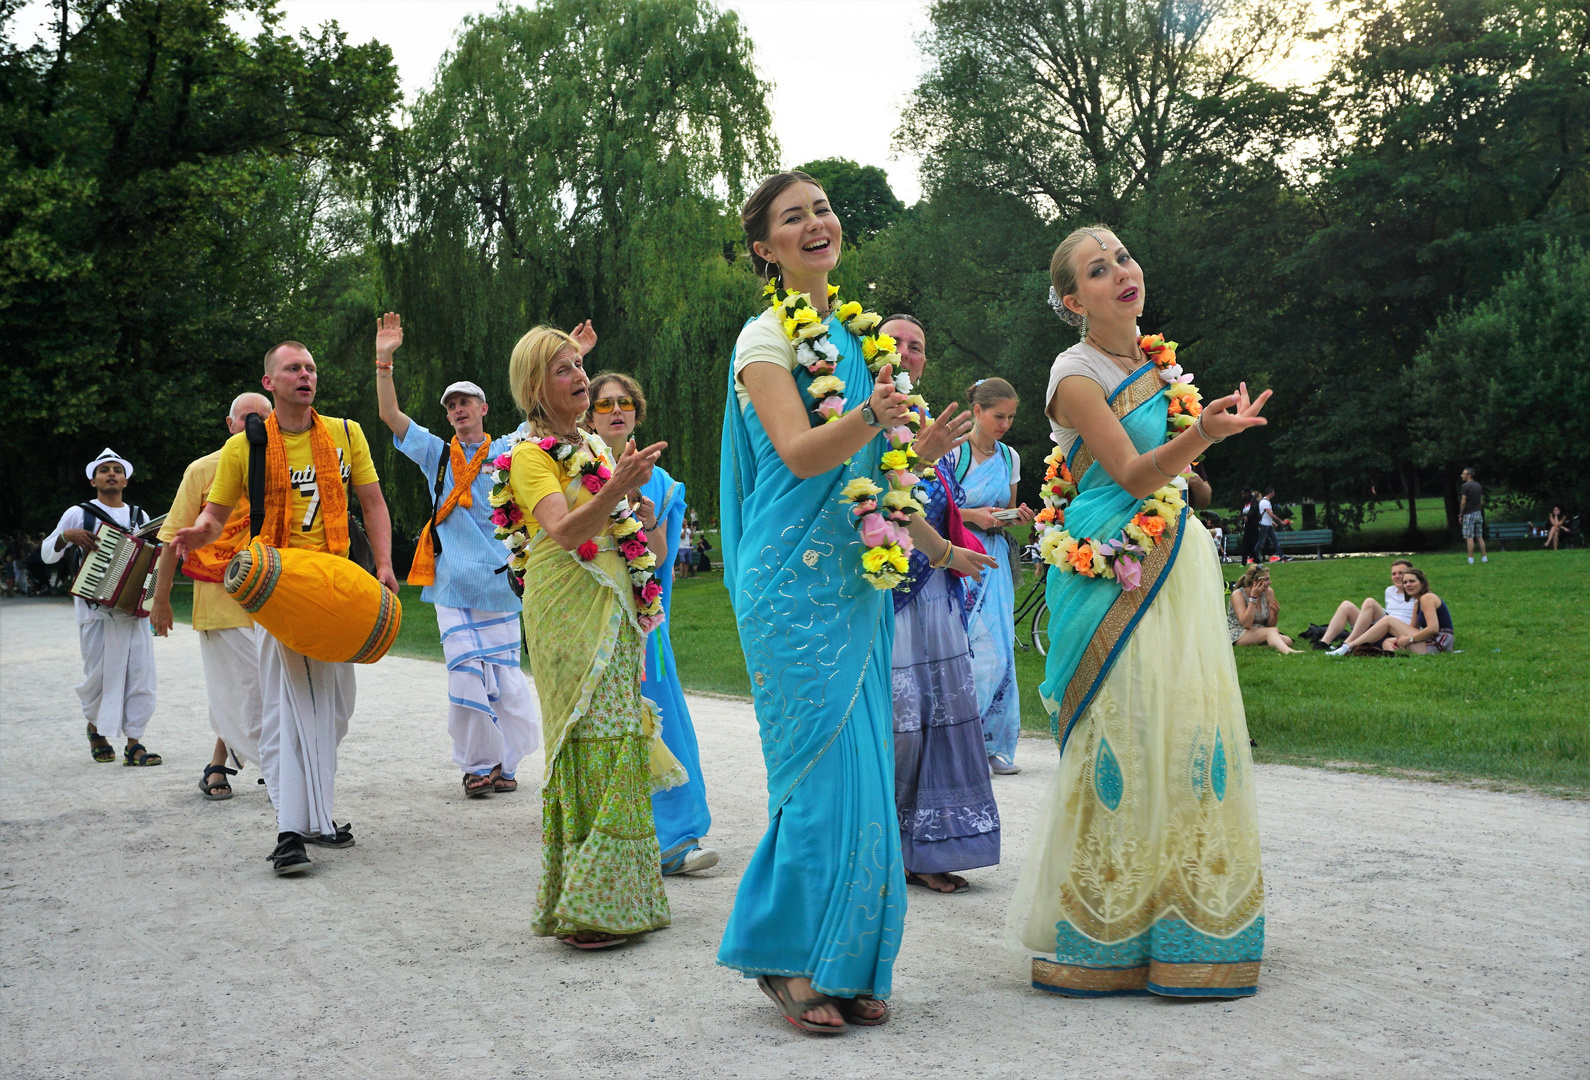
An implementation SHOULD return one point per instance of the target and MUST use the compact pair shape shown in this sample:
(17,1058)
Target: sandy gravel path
(1414,930)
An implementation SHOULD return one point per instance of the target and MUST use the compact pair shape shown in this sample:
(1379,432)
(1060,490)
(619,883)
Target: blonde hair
(1063,275)
(528,367)
(1250,575)
(631,389)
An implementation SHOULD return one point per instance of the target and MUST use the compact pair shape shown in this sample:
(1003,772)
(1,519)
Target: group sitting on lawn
(1412,618)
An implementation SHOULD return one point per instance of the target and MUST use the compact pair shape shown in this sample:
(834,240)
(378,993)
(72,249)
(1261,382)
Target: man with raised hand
(305,703)
(228,636)
(491,715)
(118,687)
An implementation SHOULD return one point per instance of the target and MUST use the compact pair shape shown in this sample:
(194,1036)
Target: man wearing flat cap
(492,715)
(118,687)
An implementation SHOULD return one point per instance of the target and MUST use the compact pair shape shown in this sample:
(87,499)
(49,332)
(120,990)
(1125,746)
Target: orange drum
(318,604)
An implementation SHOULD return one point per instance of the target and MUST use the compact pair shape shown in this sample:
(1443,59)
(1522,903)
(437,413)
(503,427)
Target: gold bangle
(1154,457)
(948,557)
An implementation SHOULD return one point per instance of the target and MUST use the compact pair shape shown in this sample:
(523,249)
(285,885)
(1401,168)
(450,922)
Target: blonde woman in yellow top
(566,511)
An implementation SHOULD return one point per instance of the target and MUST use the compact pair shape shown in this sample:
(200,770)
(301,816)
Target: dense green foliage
(176,196)
(174,199)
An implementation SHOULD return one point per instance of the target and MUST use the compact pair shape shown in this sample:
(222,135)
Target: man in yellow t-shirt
(305,703)
(228,637)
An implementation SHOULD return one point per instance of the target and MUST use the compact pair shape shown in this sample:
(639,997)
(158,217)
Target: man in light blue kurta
(492,714)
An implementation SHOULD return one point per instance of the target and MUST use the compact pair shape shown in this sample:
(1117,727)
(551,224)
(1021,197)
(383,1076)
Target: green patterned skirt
(600,863)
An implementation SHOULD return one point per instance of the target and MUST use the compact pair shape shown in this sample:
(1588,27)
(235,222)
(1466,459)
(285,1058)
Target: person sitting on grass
(1358,617)
(1255,612)
(1430,631)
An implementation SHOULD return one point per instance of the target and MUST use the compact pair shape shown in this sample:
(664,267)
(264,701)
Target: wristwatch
(869,416)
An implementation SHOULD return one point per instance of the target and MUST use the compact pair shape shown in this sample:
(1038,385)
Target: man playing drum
(305,702)
(492,715)
(228,636)
(118,687)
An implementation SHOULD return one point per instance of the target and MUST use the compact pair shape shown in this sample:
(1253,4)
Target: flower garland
(587,462)
(1120,558)
(883,522)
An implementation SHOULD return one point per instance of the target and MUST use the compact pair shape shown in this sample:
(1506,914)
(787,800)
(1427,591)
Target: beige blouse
(1080,359)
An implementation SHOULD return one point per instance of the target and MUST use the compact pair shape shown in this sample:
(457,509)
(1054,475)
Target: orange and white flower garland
(1120,558)
(880,521)
(588,462)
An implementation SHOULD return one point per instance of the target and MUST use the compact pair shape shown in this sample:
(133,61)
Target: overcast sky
(805,70)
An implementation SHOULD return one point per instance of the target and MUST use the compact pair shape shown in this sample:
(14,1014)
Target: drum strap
(254,426)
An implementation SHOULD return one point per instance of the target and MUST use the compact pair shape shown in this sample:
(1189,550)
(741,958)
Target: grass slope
(1508,707)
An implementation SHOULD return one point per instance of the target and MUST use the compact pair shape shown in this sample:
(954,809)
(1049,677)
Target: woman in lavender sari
(948,818)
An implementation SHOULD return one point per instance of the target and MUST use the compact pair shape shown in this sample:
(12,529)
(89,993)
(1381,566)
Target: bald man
(228,637)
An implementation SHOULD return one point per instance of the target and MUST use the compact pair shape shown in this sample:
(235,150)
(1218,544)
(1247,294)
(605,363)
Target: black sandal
(216,789)
(100,746)
(137,754)
(343,837)
(501,784)
(289,857)
(478,784)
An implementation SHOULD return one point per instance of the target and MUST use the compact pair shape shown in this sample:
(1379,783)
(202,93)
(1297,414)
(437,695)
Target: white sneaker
(702,858)
(1471,560)
(1340,650)
(1485,558)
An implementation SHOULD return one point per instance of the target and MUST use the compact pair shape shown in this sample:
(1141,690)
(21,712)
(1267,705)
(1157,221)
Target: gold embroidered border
(1170,899)
(1204,976)
(1091,666)
(1069,977)
(1139,391)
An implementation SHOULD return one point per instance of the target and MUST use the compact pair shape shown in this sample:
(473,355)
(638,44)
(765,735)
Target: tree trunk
(1410,488)
(1450,493)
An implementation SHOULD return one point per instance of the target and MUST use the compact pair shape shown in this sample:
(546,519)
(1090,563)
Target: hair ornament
(1067,316)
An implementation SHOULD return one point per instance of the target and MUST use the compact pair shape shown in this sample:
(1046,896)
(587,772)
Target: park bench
(1289,541)
(1502,531)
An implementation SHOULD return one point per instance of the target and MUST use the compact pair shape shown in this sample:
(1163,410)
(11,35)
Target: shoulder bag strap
(963,462)
(91,509)
(436,501)
(254,432)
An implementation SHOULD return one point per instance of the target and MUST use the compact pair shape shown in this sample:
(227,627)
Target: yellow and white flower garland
(881,522)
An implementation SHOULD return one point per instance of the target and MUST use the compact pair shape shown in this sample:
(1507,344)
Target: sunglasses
(607,404)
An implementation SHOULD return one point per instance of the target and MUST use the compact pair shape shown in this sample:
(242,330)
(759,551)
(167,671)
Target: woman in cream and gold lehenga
(563,507)
(1143,874)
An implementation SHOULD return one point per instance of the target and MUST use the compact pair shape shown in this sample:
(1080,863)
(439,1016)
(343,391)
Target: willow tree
(576,161)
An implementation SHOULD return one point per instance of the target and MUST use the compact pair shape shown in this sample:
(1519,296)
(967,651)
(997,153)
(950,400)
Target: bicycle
(1034,611)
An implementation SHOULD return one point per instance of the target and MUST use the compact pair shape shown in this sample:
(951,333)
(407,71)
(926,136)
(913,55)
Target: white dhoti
(492,715)
(118,687)
(305,705)
(231,681)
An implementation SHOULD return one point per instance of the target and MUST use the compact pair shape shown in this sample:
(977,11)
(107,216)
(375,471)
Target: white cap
(105,455)
(464,387)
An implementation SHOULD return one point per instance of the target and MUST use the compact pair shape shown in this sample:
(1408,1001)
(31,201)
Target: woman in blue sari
(988,470)
(618,407)
(820,907)
(1143,873)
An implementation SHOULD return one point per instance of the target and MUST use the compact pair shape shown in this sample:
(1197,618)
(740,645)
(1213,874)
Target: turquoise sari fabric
(824,894)
(991,614)
(1077,603)
(680,813)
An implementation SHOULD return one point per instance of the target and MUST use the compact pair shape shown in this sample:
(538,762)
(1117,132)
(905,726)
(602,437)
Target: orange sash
(423,570)
(328,478)
(209,562)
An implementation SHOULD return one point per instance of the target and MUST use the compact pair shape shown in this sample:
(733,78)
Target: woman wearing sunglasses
(618,407)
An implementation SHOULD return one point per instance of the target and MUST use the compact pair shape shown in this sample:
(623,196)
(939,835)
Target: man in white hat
(229,639)
(492,715)
(118,687)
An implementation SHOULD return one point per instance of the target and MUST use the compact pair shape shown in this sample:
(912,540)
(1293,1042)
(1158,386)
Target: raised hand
(1220,423)
(944,434)
(888,404)
(634,466)
(584,336)
(388,335)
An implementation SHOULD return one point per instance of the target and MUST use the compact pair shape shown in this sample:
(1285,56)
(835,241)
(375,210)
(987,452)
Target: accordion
(120,572)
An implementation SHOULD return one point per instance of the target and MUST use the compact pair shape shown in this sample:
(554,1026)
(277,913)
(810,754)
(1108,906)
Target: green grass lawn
(1509,707)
